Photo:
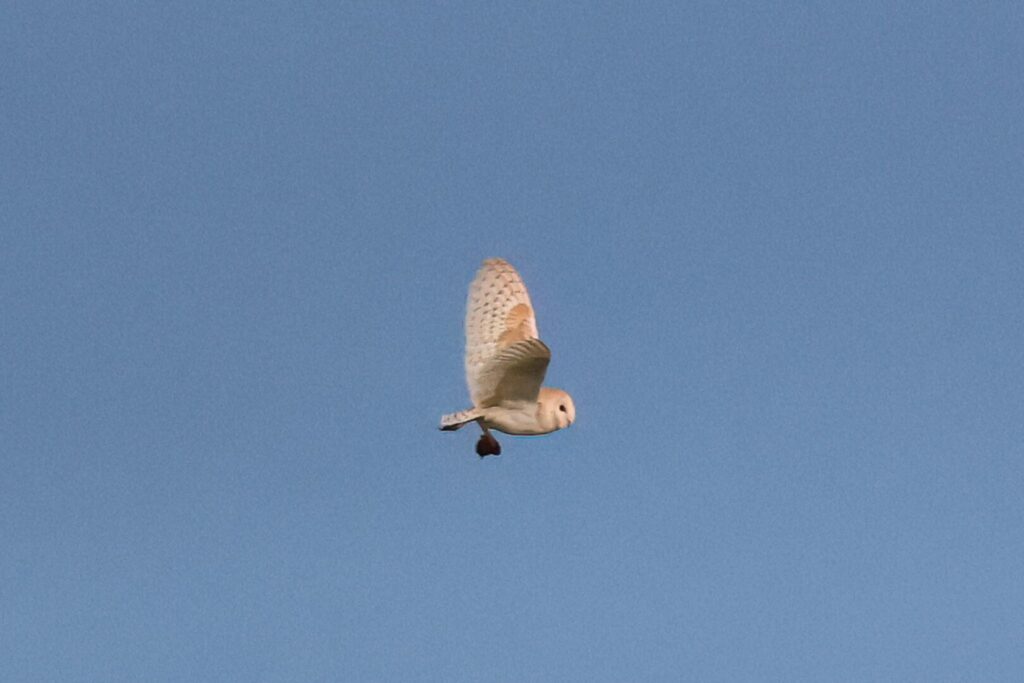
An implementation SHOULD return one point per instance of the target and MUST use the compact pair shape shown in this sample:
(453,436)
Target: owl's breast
(517,419)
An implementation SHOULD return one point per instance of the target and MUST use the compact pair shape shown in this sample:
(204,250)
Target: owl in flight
(506,362)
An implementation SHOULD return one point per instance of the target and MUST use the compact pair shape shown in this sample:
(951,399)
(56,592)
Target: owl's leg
(487,445)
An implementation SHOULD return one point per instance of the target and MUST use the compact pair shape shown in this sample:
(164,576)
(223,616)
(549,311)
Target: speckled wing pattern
(505,361)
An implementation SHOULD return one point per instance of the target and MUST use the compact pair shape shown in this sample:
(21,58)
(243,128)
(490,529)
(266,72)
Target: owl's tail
(453,421)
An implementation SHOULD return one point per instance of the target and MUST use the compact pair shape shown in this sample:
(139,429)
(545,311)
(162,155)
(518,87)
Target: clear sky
(777,253)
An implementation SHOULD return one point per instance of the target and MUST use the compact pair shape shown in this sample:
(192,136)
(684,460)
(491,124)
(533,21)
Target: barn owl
(506,362)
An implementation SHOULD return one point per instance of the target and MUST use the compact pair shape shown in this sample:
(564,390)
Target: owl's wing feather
(515,374)
(498,315)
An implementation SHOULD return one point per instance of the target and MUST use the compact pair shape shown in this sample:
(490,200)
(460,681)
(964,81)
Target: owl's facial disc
(556,409)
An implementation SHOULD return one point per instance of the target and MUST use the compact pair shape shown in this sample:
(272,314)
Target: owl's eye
(562,408)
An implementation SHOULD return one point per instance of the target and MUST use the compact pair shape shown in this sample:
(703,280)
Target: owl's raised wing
(505,361)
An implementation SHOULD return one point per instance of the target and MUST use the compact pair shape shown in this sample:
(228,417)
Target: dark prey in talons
(487,445)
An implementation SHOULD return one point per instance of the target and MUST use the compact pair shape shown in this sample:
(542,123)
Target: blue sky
(777,254)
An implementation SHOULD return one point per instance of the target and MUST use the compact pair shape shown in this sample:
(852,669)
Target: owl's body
(506,362)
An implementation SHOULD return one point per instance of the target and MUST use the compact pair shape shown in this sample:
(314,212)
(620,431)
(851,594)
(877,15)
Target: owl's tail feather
(453,421)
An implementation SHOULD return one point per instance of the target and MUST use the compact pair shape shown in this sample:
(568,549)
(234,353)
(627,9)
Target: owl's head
(555,409)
